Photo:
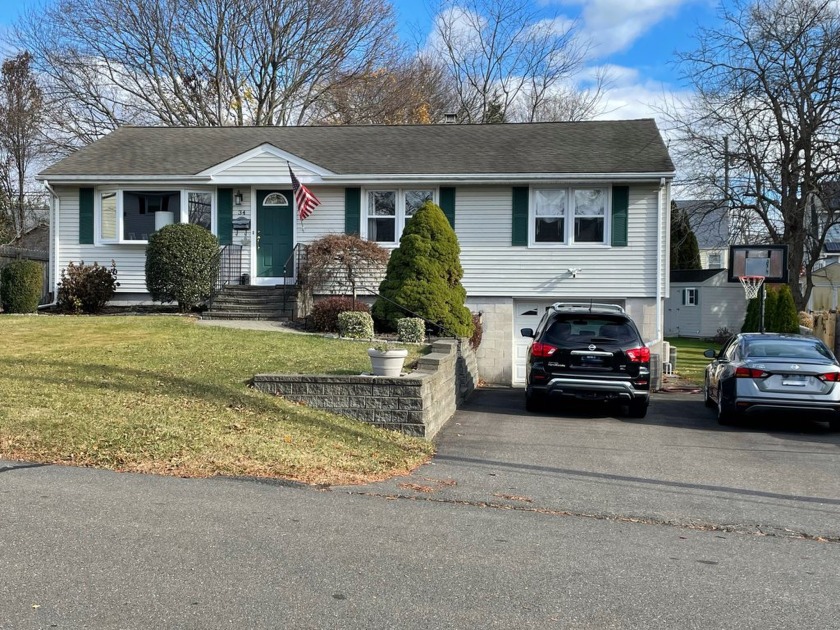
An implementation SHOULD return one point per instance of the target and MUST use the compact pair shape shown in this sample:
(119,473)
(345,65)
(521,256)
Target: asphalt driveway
(775,475)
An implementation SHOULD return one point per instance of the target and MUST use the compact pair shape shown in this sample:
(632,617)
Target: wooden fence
(825,327)
(9,254)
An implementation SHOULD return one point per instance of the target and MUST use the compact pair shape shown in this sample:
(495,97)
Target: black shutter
(520,216)
(352,210)
(224,215)
(620,205)
(85,216)
(447,203)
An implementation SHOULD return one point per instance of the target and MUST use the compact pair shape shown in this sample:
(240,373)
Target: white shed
(701,301)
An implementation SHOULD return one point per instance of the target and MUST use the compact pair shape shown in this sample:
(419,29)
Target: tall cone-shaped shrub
(786,318)
(752,317)
(424,276)
(771,298)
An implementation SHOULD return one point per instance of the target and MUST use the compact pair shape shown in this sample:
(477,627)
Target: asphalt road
(580,520)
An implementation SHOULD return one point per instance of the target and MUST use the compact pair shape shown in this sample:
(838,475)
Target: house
(709,220)
(543,211)
(825,294)
(701,302)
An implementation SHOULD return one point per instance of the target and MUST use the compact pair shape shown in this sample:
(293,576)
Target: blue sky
(636,39)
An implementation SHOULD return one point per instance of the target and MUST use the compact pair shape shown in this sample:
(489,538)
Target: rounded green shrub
(182,263)
(324,316)
(411,330)
(86,288)
(21,282)
(423,278)
(355,325)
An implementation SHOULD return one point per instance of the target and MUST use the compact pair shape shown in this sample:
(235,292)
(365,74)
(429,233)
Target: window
(275,199)
(200,209)
(388,211)
(690,297)
(570,215)
(715,261)
(131,216)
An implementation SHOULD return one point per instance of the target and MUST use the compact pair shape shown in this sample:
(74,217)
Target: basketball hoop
(752,284)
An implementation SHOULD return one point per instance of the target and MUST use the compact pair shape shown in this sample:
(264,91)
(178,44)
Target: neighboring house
(701,302)
(543,211)
(826,289)
(709,220)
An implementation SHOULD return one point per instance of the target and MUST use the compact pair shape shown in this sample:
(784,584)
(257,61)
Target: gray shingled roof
(629,146)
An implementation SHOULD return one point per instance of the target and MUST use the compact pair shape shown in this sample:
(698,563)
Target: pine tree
(786,317)
(424,276)
(771,298)
(685,253)
(752,317)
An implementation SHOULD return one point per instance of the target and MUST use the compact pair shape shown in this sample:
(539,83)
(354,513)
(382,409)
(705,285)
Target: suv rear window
(572,331)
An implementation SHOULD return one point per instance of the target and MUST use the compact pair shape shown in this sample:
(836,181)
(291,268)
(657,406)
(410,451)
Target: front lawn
(164,395)
(691,364)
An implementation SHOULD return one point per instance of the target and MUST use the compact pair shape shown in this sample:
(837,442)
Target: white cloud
(614,25)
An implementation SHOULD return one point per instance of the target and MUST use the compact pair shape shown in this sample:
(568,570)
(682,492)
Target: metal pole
(761,309)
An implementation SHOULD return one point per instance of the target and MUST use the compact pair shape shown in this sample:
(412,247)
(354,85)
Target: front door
(275,233)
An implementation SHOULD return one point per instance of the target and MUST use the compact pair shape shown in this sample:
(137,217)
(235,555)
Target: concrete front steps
(253,303)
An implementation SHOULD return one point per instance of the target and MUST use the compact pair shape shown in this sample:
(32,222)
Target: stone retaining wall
(418,403)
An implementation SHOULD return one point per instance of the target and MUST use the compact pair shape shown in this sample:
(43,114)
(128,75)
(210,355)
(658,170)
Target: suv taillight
(542,350)
(638,355)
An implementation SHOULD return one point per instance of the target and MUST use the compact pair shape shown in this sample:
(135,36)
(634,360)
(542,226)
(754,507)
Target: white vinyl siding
(264,166)
(492,267)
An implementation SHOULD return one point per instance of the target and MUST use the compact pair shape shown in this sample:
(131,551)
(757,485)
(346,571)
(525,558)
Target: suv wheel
(637,408)
(534,402)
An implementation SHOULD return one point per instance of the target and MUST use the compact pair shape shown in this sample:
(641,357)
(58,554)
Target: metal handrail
(229,259)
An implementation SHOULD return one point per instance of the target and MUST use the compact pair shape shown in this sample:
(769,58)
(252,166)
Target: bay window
(131,216)
(563,216)
(388,211)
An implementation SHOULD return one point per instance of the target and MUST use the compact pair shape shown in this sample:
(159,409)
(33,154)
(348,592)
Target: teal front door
(275,232)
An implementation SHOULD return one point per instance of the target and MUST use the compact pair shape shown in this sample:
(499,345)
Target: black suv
(587,352)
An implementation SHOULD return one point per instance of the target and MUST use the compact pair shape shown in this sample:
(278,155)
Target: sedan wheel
(726,416)
(707,400)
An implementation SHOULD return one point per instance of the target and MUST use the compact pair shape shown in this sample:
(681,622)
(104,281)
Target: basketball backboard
(769,261)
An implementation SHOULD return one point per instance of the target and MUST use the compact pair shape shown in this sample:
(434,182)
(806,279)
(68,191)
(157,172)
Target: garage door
(526,314)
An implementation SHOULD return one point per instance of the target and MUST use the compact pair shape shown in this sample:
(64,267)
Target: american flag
(306,201)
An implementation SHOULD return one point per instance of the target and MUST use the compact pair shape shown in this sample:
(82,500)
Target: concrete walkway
(242,324)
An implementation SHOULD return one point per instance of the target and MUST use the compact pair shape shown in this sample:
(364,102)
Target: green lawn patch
(164,395)
(691,364)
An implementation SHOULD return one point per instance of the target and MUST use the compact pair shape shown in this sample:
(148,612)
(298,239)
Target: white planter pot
(387,362)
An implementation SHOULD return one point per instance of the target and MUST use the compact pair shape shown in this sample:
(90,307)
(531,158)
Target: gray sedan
(771,372)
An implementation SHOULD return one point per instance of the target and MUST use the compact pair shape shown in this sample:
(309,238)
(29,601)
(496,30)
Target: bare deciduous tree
(416,91)
(196,62)
(500,53)
(20,137)
(768,79)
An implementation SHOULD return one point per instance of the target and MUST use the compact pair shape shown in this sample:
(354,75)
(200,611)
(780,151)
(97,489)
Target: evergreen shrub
(355,325)
(86,288)
(21,282)
(182,264)
(411,330)
(423,276)
(324,316)
(786,319)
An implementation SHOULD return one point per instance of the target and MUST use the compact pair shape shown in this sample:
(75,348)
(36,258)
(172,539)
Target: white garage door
(526,314)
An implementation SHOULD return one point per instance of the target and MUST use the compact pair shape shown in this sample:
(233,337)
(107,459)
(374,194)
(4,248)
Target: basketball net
(752,284)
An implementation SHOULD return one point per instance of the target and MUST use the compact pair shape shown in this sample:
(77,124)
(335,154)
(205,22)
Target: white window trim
(569,229)
(400,218)
(686,292)
(182,218)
